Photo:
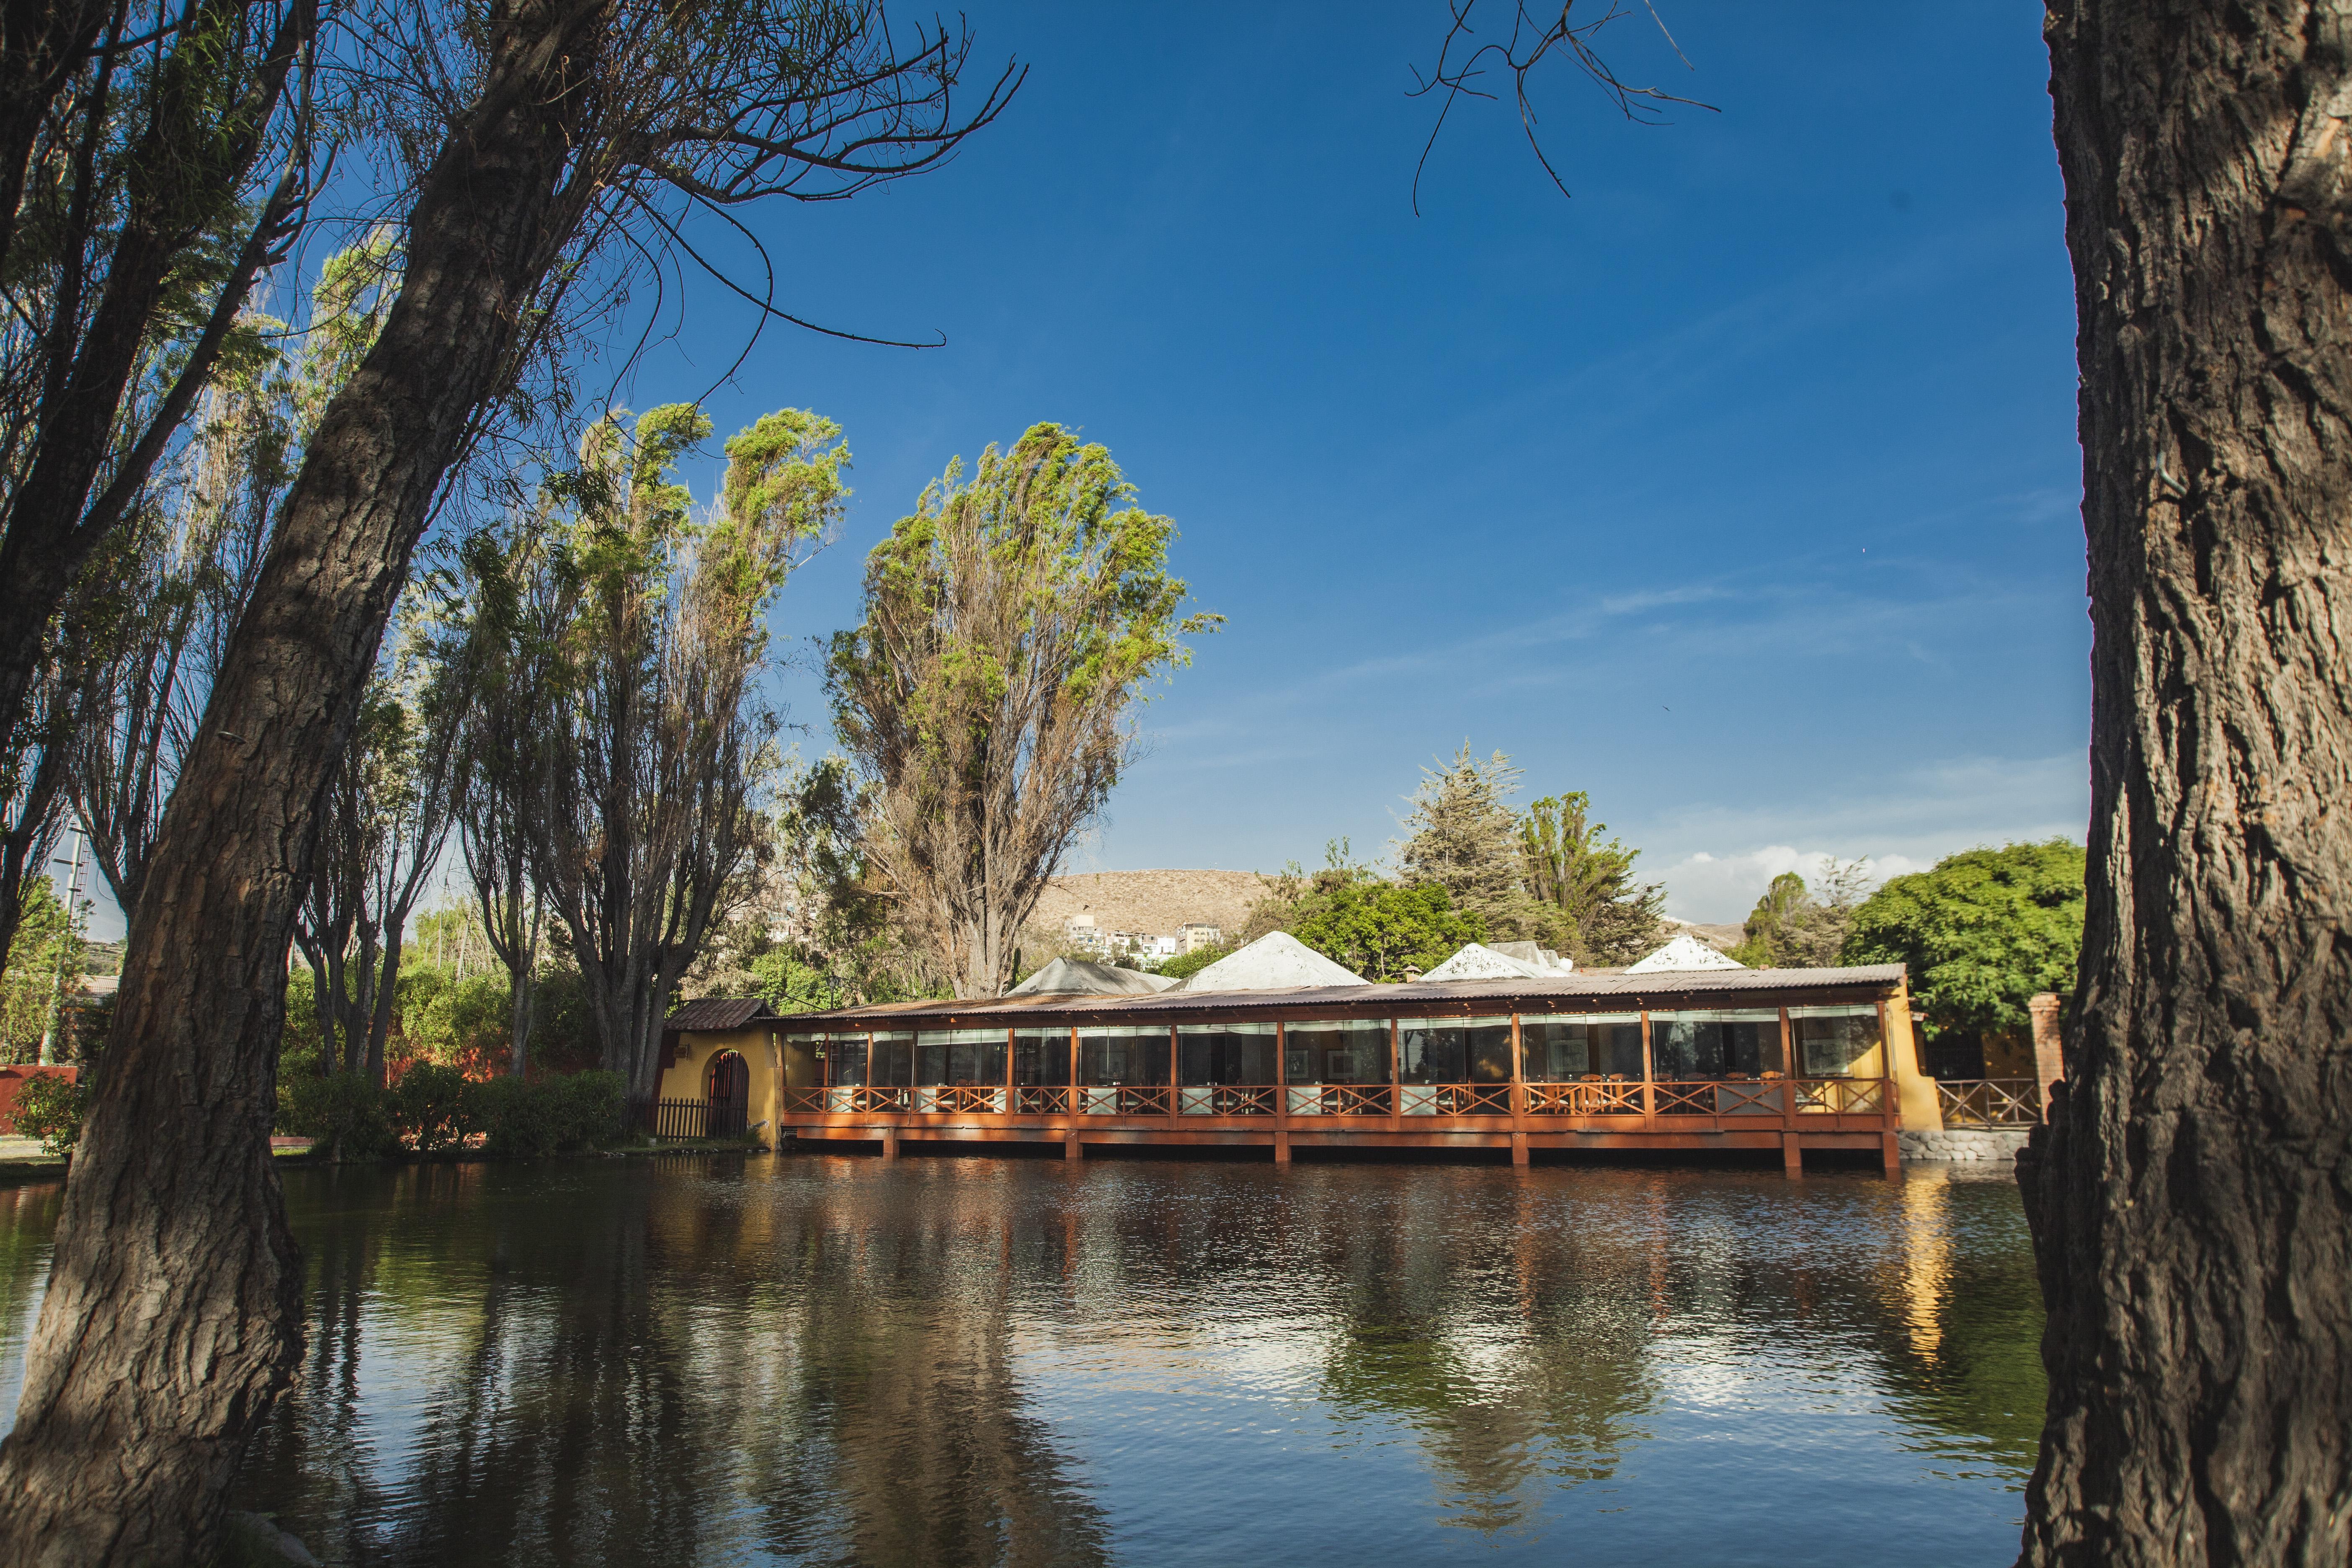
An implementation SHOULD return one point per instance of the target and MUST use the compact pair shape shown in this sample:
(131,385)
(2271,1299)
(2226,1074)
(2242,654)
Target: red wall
(13,1079)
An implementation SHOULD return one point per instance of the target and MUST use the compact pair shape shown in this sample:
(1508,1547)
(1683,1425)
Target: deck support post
(1891,1150)
(1519,1148)
(1792,1157)
(1071,1148)
(1282,1148)
(890,1143)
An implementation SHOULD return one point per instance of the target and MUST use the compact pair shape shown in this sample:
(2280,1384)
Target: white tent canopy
(1274,962)
(1076,977)
(1476,960)
(1684,953)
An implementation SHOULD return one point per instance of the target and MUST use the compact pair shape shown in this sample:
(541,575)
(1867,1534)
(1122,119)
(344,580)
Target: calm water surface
(827,1358)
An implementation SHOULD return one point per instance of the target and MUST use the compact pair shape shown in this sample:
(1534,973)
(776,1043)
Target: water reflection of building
(854,1360)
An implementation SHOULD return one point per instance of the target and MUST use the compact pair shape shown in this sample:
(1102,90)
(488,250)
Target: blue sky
(1738,489)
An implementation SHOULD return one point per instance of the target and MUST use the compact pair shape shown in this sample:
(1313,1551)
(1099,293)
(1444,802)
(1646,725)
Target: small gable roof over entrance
(709,1013)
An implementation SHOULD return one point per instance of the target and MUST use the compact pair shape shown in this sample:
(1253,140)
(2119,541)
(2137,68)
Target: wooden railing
(1338,1099)
(1989,1101)
(1227,1100)
(1840,1096)
(1453,1098)
(1982,1103)
(1610,1096)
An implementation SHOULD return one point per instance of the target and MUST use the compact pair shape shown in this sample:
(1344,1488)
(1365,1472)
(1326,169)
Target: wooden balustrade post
(1518,1095)
(1282,1092)
(1649,1079)
(1011,1095)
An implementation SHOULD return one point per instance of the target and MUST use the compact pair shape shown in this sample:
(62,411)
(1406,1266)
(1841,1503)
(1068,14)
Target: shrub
(588,1108)
(550,1116)
(50,1108)
(346,1114)
(429,1107)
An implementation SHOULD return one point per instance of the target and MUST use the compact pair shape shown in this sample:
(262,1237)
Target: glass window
(1836,1042)
(1041,1057)
(845,1057)
(893,1065)
(1451,1050)
(960,1056)
(1123,1055)
(1225,1053)
(1353,1052)
(1714,1045)
(1559,1050)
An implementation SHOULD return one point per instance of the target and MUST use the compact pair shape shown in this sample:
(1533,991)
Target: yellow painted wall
(1914,1092)
(761,1050)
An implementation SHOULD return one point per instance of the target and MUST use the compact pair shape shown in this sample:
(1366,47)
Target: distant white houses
(1085,934)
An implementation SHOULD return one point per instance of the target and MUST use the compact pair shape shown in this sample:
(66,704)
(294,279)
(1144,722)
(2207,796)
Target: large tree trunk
(2192,1201)
(172,1314)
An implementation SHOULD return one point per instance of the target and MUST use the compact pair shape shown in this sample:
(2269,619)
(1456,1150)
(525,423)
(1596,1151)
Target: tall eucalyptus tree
(541,137)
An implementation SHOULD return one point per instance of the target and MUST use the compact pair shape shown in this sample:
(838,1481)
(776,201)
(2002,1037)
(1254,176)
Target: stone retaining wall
(1964,1144)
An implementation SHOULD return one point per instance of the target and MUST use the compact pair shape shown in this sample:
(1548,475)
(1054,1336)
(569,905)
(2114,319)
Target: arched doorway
(728,1088)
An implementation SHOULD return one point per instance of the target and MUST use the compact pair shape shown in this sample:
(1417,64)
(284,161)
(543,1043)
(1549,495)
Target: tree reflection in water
(820,1359)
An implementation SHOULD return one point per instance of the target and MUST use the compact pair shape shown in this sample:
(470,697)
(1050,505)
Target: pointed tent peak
(1684,953)
(1078,977)
(1274,962)
(1543,959)
(1476,960)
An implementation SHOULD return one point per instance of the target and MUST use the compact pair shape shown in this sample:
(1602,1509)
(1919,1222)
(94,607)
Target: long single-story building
(1672,1060)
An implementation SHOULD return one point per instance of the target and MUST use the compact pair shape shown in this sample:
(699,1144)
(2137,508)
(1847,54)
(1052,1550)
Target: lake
(809,1358)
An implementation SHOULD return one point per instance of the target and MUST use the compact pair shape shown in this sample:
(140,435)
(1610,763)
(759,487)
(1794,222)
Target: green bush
(550,1116)
(344,1115)
(50,1108)
(588,1108)
(429,1107)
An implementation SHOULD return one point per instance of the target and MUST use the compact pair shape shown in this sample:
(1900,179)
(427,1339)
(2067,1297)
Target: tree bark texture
(2192,1198)
(173,1317)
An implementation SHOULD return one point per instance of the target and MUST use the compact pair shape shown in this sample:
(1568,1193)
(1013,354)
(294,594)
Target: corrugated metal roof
(710,1013)
(1658,990)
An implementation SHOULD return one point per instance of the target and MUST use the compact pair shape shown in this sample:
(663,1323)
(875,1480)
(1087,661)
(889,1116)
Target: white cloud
(1715,864)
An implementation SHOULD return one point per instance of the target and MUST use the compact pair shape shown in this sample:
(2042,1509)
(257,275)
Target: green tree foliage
(1185,965)
(1566,864)
(635,638)
(1381,930)
(50,1108)
(1797,925)
(1465,838)
(29,986)
(1981,932)
(1011,624)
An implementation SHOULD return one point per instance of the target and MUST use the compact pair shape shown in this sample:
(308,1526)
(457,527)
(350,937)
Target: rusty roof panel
(1658,991)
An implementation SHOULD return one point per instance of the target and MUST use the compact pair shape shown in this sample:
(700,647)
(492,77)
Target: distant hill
(1152,902)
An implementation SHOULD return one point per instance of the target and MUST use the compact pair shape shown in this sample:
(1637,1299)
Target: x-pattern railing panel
(1607,1098)
(1041,1098)
(1338,1099)
(1989,1101)
(1840,1096)
(966,1098)
(1686,1099)
(1226,1099)
(1455,1099)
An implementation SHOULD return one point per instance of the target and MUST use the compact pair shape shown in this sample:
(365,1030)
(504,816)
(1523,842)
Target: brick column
(2048,1061)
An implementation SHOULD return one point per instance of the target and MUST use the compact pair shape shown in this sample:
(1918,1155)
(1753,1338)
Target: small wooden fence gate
(680,1120)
